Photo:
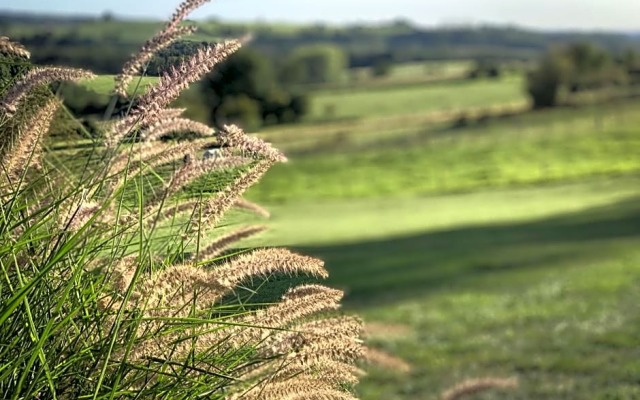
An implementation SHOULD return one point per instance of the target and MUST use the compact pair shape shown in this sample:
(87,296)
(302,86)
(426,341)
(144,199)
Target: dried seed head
(174,81)
(171,32)
(12,48)
(303,336)
(177,285)
(235,137)
(36,77)
(215,208)
(253,207)
(184,9)
(135,65)
(301,388)
(264,263)
(25,152)
(175,125)
(474,386)
(385,360)
(298,303)
(387,331)
(190,172)
(152,155)
(221,244)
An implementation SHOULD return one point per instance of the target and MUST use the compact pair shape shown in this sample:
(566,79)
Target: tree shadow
(385,271)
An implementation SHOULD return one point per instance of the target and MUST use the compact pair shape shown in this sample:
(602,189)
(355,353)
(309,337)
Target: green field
(538,283)
(411,73)
(507,247)
(532,149)
(510,248)
(418,98)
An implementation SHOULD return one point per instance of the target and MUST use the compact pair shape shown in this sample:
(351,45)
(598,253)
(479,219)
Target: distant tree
(574,68)
(107,16)
(543,84)
(485,68)
(315,65)
(382,67)
(630,62)
(245,90)
(245,77)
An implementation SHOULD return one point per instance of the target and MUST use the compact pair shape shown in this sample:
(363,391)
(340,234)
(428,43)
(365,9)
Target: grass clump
(113,286)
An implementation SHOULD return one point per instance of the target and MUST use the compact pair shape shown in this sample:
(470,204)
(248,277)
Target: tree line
(73,41)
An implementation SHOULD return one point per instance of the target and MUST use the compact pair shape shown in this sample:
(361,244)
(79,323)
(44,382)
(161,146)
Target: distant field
(537,148)
(104,84)
(447,96)
(418,72)
(508,247)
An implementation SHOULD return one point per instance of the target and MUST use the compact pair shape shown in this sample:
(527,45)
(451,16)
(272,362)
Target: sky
(619,15)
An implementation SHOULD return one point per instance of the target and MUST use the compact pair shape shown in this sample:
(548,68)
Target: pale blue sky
(548,14)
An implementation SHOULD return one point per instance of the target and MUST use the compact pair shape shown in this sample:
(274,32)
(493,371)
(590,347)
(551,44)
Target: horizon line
(334,24)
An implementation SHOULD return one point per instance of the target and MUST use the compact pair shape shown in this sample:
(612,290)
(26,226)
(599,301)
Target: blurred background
(469,169)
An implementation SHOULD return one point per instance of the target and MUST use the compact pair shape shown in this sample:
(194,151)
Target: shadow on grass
(395,269)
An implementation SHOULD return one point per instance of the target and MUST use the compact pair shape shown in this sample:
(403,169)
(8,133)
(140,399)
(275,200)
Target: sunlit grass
(541,283)
(390,101)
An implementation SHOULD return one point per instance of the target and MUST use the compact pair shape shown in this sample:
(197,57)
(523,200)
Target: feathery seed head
(170,125)
(221,244)
(215,208)
(25,152)
(135,65)
(385,360)
(171,32)
(174,81)
(474,386)
(233,136)
(253,207)
(12,48)
(36,77)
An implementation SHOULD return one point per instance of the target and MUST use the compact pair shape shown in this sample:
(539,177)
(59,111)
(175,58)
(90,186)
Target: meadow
(505,246)
(416,98)
(509,247)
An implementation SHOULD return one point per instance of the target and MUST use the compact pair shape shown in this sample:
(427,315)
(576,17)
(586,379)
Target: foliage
(245,90)
(486,68)
(318,64)
(544,83)
(382,68)
(573,68)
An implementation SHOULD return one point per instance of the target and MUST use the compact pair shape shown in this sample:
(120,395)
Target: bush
(544,83)
(382,68)
(318,64)
(486,69)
